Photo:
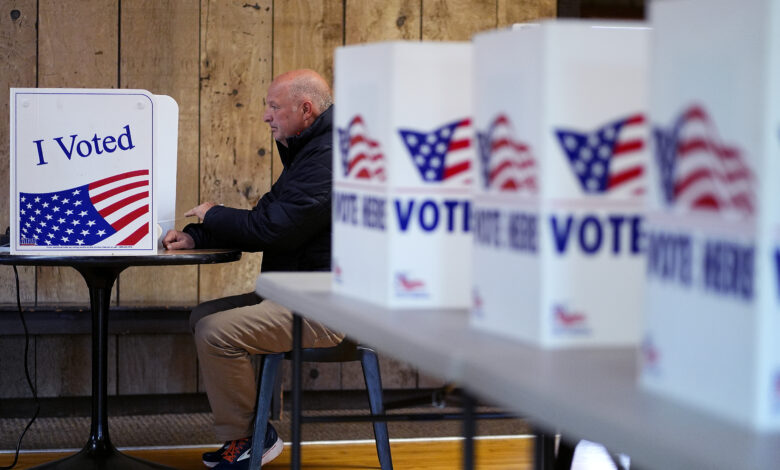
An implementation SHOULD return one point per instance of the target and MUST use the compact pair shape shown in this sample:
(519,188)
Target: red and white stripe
(459,163)
(627,166)
(365,159)
(710,175)
(123,201)
(512,166)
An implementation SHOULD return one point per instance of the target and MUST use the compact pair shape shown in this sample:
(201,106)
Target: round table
(100,273)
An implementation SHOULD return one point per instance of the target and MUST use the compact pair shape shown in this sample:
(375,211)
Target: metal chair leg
(565,456)
(267,381)
(376,402)
(277,400)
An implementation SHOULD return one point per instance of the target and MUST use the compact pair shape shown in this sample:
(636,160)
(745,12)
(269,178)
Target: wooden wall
(216,58)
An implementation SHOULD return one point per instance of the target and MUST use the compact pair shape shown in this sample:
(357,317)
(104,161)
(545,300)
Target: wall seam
(200,138)
(421,19)
(272,147)
(119,86)
(37,82)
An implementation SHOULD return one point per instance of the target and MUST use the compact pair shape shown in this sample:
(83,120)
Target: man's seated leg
(224,341)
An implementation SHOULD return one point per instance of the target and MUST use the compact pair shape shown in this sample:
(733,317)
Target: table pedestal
(99,452)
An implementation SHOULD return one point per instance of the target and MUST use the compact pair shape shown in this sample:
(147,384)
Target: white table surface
(583,393)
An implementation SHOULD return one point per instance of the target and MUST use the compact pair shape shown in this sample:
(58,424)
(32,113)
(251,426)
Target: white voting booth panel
(92,171)
(711,331)
(560,118)
(403,169)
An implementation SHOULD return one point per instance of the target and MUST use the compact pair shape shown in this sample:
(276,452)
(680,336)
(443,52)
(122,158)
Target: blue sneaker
(211,459)
(238,453)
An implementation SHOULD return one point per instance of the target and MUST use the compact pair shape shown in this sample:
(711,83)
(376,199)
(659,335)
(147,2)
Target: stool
(346,351)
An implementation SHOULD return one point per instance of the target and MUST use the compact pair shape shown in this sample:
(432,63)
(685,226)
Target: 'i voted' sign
(83,171)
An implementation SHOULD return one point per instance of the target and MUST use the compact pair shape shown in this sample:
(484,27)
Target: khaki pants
(226,332)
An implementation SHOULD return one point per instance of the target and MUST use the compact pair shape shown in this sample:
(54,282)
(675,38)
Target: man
(291,225)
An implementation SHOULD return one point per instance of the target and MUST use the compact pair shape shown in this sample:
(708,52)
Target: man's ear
(307,109)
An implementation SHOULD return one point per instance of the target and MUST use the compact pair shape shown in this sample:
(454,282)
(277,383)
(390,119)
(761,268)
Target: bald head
(305,84)
(295,100)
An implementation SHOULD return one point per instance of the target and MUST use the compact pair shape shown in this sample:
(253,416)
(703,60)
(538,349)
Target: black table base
(100,453)
(100,274)
(107,458)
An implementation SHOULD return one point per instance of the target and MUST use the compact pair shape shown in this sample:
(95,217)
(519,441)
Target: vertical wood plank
(456,20)
(14,383)
(306,34)
(156,364)
(77,48)
(17,54)
(78,43)
(235,152)
(64,365)
(378,20)
(316,375)
(159,53)
(395,375)
(522,11)
(26,285)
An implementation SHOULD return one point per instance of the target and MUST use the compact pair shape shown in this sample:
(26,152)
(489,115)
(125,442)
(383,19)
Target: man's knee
(206,331)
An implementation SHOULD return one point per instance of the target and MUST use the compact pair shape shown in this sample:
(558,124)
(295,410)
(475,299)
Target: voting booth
(403,166)
(92,172)
(710,335)
(560,119)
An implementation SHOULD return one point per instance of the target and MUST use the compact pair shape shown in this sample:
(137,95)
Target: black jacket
(291,224)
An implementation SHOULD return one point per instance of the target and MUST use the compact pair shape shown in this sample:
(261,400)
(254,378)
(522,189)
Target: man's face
(282,114)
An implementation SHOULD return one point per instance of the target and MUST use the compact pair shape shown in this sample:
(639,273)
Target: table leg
(544,450)
(99,452)
(565,455)
(297,359)
(469,428)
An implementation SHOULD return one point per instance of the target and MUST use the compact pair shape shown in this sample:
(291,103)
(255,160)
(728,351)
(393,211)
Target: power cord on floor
(26,374)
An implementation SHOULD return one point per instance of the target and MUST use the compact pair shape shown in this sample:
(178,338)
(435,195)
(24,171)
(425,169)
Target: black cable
(26,374)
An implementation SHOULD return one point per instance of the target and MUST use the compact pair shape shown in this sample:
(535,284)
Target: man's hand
(175,240)
(200,211)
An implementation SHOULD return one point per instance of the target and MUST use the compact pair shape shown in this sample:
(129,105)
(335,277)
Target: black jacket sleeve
(296,208)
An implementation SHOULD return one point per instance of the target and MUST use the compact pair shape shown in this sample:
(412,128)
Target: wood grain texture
(456,20)
(395,375)
(77,48)
(490,454)
(14,383)
(64,365)
(156,364)
(158,53)
(78,43)
(378,20)
(17,54)
(26,285)
(306,34)
(316,375)
(523,11)
(235,149)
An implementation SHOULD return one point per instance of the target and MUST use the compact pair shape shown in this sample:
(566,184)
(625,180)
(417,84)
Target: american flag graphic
(507,164)
(444,154)
(406,284)
(650,353)
(361,156)
(107,212)
(700,172)
(609,159)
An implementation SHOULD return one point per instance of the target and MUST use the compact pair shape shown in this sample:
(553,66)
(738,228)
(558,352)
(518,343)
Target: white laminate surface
(583,393)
